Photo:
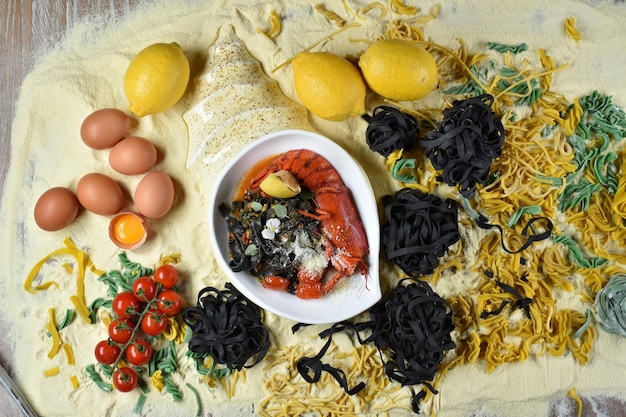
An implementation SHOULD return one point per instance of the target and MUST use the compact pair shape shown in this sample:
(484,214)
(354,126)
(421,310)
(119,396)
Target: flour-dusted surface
(83,72)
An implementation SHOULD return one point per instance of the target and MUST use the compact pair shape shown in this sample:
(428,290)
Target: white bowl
(352,295)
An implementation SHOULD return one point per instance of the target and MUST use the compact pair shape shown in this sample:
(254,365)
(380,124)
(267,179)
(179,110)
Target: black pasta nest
(228,327)
(465,143)
(390,129)
(419,229)
(414,325)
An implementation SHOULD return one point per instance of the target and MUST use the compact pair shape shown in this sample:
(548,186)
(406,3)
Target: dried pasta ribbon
(619,200)
(375,5)
(414,325)
(419,229)
(397,6)
(311,368)
(171,259)
(465,143)
(611,305)
(51,327)
(483,223)
(51,372)
(275,26)
(570,29)
(158,380)
(228,327)
(574,396)
(83,262)
(330,15)
(390,130)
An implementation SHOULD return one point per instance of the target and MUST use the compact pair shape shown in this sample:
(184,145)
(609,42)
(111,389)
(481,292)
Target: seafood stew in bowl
(258,237)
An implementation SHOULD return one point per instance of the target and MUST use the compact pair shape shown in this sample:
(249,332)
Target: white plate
(351,296)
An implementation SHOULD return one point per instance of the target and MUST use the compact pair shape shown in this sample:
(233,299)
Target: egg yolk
(128,229)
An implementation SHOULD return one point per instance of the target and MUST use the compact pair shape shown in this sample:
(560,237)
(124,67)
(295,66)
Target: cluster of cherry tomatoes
(147,307)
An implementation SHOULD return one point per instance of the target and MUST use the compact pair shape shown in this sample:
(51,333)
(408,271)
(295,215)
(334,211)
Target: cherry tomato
(145,289)
(107,352)
(139,352)
(306,290)
(170,302)
(124,379)
(166,275)
(154,323)
(273,282)
(125,305)
(121,330)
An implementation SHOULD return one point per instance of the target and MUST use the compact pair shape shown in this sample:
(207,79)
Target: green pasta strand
(173,390)
(197,396)
(141,401)
(95,377)
(514,219)
(400,168)
(611,305)
(577,254)
(502,48)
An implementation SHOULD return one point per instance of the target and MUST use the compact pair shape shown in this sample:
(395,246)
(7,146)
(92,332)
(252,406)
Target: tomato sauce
(242,186)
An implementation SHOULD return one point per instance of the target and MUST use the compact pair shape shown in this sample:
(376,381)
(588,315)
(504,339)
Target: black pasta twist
(227,326)
(465,143)
(390,129)
(419,229)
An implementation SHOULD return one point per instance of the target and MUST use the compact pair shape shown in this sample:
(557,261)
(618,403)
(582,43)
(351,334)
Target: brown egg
(100,194)
(133,156)
(103,128)
(154,196)
(56,208)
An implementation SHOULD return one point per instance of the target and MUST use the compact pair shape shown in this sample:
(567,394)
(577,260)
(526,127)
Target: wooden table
(29,29)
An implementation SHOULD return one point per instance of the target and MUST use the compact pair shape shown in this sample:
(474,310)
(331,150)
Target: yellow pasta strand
(81,308)
(51,327)
(375,5)
(570,29)
(330,15)
(579,402)
(275,26)
(158,380)
(397,6)
(51,372)
(171,259)
(69,353)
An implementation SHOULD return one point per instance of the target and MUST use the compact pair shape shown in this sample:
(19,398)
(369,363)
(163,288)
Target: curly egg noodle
(513,298)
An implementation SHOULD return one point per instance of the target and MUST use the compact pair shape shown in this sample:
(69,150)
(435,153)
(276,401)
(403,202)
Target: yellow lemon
(399,70)
(156,78)
(281,184)
(328,85)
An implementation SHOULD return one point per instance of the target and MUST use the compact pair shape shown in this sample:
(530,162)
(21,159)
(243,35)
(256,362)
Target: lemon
(156,78)
(399,70)
(281,184)
(328,85)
